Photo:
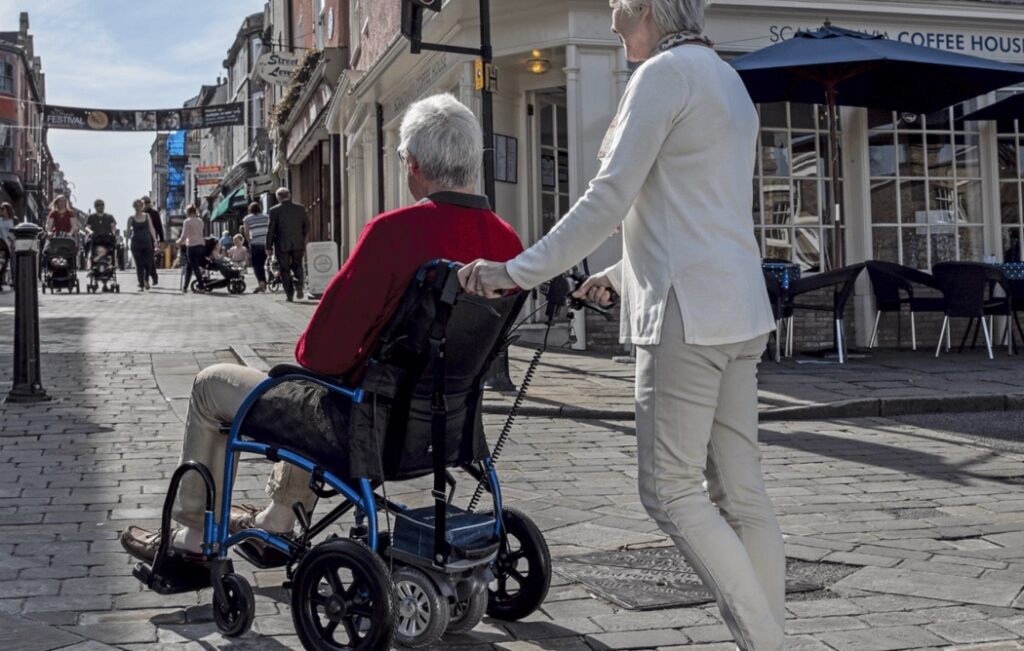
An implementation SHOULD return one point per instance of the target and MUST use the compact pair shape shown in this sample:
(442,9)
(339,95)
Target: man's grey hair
(283,194)
(446,139)
(669,16)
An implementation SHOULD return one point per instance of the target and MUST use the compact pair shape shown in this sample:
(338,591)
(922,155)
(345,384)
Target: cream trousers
(696,419)
(217,393)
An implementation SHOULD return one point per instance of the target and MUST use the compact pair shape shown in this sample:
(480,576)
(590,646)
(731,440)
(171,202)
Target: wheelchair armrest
(295,369)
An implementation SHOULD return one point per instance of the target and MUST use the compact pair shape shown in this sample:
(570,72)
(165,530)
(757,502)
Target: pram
(230,275)
(103,264)
(416,412)
(60,269)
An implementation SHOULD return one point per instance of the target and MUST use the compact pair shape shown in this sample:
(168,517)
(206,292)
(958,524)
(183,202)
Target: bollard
(27,386)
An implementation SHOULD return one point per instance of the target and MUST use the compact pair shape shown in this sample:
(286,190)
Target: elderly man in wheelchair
(389,388)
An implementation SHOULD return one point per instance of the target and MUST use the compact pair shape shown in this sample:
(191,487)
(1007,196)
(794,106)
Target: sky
(123,54)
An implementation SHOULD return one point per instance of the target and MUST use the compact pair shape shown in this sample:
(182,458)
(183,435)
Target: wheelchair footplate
(171,574)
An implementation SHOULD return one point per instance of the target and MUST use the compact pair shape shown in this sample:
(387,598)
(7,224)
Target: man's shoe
(156,279)
(289,299)
(299,295)
(143,545)
(243,516)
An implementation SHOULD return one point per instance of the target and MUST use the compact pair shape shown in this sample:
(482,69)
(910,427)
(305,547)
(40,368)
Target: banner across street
(90,119)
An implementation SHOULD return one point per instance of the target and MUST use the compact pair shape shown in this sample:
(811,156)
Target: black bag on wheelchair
(388,436)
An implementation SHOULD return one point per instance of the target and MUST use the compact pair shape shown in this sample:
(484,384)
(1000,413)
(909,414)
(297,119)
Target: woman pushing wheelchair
(677,177)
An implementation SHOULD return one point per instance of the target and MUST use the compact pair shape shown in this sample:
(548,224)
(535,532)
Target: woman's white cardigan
(679,176)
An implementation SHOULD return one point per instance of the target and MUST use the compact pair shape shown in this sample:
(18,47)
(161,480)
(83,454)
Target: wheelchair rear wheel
(234,617)
(343,598)
(522,570)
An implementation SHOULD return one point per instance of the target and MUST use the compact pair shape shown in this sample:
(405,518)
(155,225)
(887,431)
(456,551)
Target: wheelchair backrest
(401,377)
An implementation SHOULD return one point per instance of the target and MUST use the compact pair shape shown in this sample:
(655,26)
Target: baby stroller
(103,265)
(230,275)
(60,270)
(417,412)
(273,274)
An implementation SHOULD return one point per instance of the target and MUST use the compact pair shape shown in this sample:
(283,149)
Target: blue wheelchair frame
(216,538)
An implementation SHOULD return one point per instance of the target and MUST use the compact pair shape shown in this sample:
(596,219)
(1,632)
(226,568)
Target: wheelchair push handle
(576,278)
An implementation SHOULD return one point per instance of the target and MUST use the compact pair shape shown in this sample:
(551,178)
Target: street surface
(916,526)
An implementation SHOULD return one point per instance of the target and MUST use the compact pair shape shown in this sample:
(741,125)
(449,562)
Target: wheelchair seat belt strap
(439,426)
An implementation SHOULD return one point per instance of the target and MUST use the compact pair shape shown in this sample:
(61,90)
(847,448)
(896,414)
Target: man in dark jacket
(287,238)
(158,226)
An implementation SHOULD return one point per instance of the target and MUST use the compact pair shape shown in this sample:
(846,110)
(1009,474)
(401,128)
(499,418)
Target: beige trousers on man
(217,393)
(696,419)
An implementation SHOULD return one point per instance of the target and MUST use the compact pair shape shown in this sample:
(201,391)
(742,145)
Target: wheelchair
(416,412)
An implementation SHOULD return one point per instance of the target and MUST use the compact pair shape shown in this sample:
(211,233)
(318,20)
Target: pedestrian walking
(142,236)
(254,227)
(99,223)
(61,220)
(286,235)
(7,224)
(193,240)
(676,174)
(158,228)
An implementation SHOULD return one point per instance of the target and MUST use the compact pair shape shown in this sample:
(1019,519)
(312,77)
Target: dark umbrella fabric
(1011,108)
(869,71)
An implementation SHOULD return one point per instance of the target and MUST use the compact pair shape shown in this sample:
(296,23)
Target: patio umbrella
(1011,108)
(849,68)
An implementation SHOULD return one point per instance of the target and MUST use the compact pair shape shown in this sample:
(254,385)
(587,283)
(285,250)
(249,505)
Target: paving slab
(934,586)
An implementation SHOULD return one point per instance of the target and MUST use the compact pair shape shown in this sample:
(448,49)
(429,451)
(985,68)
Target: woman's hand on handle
(485,278)
(596,289)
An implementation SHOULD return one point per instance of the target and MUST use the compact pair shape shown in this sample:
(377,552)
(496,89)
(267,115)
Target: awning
(234,200)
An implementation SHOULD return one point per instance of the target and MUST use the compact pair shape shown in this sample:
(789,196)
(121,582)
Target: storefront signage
(209,175)
(427,78)
(955,41)
(311,112)
(277,67)
(200,117)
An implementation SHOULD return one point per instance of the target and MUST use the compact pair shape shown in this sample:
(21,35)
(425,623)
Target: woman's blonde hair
(58,199)
(670,16)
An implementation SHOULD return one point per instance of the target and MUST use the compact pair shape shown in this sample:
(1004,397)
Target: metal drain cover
(645,579)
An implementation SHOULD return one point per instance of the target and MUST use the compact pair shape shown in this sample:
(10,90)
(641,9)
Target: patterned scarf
(676,39)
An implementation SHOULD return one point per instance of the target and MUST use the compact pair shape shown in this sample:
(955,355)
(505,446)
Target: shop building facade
(916,189)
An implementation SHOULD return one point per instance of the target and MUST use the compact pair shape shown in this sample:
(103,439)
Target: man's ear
(414,165)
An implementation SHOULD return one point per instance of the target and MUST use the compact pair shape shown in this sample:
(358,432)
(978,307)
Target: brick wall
(382,20)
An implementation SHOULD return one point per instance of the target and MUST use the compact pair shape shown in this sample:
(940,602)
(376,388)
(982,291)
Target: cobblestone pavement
(927,528)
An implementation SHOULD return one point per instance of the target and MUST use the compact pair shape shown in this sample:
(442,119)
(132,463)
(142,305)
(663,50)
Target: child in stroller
(103,267)
(60,268)
(230,275)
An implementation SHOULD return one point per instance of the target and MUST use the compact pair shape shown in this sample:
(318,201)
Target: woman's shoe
(147,287)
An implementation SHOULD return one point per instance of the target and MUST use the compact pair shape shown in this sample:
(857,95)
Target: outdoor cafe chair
(842,283)
(968,290)
(893,287)
(782,311)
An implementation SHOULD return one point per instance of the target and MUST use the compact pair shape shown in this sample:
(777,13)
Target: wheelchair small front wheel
(522,571)
(422,609)
(235,614)
(465,615)
(343,598)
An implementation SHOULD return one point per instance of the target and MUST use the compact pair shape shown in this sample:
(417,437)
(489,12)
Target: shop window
(925,187)
(6,77)
(1011,179)
(791,185)
(7,140)
(554,158)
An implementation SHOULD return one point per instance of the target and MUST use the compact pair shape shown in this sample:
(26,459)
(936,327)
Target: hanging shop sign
(277,67)
(199,117)
(209,175)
